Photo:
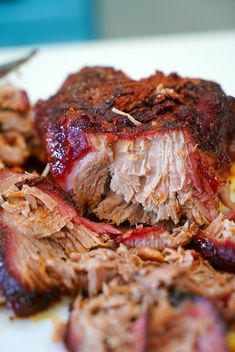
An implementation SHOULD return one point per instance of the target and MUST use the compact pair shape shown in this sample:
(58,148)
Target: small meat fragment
(18,137)
(217,244)
(13,148)
(158,237)
(14,99)
(194,326)
(193,275)
(91,270)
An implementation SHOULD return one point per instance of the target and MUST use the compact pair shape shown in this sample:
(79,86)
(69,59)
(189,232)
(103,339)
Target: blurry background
(145,17)
(48,21)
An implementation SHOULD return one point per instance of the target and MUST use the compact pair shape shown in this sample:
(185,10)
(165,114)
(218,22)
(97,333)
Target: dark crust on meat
(219,252)
(84,105)
(23,302)
(231,137)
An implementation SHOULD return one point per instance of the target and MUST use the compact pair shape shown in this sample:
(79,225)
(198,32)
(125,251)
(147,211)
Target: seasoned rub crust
(160,103)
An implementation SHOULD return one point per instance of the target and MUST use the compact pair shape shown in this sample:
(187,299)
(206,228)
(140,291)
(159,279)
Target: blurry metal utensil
(10,66)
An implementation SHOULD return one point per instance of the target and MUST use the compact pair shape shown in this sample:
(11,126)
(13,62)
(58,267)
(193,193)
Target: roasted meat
(179,305)
(18,137)
(231,147)
(195,326)
(189,273)
(151,152)
(144,151)
(158,237)
(13,99)
(41,236)
(139,318)
(217,243)
(150,242)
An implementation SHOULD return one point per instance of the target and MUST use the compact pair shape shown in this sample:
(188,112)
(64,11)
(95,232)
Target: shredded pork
(142,191)
(18,136)
(140,317)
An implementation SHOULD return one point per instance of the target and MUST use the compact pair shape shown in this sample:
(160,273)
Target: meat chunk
(149,243)
(158,237)
(130,318)
(192,275)
(231,146)
(164,307)
(18,137)
(40,233)
(95,268)
(14,99)
(217,243)
(143,151)
(186,272)
(195,326)
(104,323)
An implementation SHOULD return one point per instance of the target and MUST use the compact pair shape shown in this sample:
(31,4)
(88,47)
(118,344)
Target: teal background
(46,21)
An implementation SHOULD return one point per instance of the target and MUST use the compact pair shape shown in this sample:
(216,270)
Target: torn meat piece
(140,317)
(194,274)
(134,319)
(105,323)
(40,208)
(114,208)
(13,121)
(40,231)
(187,272)
(93,269)
(190,274)
(18,136)
(13,149)
(9,178)
(23,301)
(231,146)
(220,253)
(148,254)
(113,318)
(12,98)
(217,244)
(33,270)
(142,151)
(158,237)
(194,326)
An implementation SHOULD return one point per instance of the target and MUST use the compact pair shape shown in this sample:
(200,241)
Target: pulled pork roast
(150,152)
(41,234)
(152,313)
(143,151)
(18,137)
(217,243)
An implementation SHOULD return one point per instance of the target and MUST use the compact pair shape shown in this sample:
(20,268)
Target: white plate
(208,55)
